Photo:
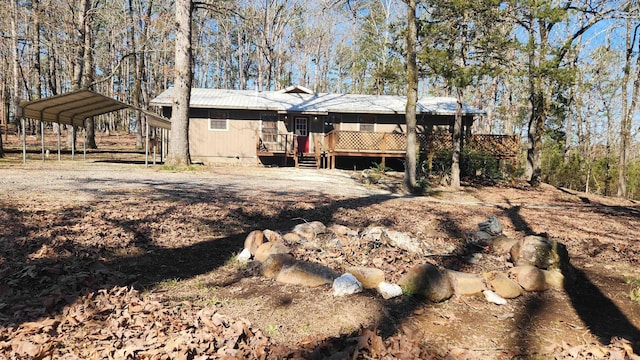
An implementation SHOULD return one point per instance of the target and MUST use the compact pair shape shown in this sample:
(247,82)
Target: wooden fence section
(369,142)
(383,145)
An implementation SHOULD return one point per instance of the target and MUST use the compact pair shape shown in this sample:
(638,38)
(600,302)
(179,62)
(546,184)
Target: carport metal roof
(74,107)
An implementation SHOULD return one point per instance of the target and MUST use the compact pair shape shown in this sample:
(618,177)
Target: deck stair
(307,162)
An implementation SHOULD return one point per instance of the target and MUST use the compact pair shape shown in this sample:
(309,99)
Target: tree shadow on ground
(598,312)
(27,291)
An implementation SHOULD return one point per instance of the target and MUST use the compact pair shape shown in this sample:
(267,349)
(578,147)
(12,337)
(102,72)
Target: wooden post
(84,143)
(24,141)
(146,145)
(154,143)
(295,151)
(59,142)
(73,142)
(384,148)
(42,138)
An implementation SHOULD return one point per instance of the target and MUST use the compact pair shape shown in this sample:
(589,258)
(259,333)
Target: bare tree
(412,97)
(178,154)
(628,110)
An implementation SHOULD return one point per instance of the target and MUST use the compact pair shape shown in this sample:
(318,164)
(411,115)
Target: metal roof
(310,103)
(74,107)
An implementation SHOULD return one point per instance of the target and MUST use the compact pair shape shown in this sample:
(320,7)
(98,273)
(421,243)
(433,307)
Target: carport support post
(146,151)
(155,144)
(59,131)
(24,141)
(73,141)
(84,143)
(42,136)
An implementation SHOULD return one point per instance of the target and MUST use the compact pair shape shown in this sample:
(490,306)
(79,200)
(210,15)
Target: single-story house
(296,124)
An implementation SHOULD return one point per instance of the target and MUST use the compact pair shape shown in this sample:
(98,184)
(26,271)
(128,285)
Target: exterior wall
(236,145)
(383,123)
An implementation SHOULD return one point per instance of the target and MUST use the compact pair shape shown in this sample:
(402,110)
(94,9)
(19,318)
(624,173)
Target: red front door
(301,130)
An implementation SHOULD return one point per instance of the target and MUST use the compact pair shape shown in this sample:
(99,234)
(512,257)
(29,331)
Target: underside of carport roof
(74,107)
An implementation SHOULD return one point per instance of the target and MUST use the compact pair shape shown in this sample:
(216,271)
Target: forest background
(562,74)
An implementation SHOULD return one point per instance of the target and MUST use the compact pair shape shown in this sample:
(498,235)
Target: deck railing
(339,140)
(280,143)
(357,141)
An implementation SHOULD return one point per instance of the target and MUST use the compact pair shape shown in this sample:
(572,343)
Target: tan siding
(235,145)
(349,126)
(388,127)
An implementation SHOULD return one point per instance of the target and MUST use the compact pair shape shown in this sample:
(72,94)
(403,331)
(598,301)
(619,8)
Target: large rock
(270,248)
(492,226)
(372,233)
(540,252)
(529,277)
(492,297)
(346,284)
(272,265)
(307,274)
(388,291)
(253,241)
(292,237)
(369,277)
(244,255)
(342,230)
(427,280)
(502,285)
(554,279)
(309,230)
(502,244)
(481,237)
(272,236)
(466,284)
(402,241)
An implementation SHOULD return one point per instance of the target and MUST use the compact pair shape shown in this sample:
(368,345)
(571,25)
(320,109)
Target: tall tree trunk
(88,76)
(534,145)
(456,139)
(79,60)
(36,55)
(412,97)
(4,115)
(15,93)
(607,169)
(179,142)
(539,101)
(628,112)
(135,93)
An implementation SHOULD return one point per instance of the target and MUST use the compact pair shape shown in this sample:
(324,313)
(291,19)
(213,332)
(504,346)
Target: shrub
(473,164)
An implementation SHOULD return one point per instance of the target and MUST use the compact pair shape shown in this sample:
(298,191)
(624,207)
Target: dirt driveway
(76,228)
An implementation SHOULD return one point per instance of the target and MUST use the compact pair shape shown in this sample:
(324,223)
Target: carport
(73,108)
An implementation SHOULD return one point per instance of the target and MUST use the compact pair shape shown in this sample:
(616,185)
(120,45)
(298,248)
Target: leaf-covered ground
(102,260)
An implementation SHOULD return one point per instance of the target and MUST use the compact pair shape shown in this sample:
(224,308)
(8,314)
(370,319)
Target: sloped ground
(102,260)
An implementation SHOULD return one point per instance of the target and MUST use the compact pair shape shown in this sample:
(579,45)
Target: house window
(330,121)
(218,121)
(301,126)
(269,128)
(367,123)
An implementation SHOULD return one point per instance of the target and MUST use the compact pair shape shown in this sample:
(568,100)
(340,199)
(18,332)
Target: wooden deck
(338,143)
(279,146)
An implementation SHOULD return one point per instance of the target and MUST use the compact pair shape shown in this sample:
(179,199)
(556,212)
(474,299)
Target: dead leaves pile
(120,324)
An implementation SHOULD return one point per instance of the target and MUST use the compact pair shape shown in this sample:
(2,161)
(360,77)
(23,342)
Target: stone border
(538,264)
